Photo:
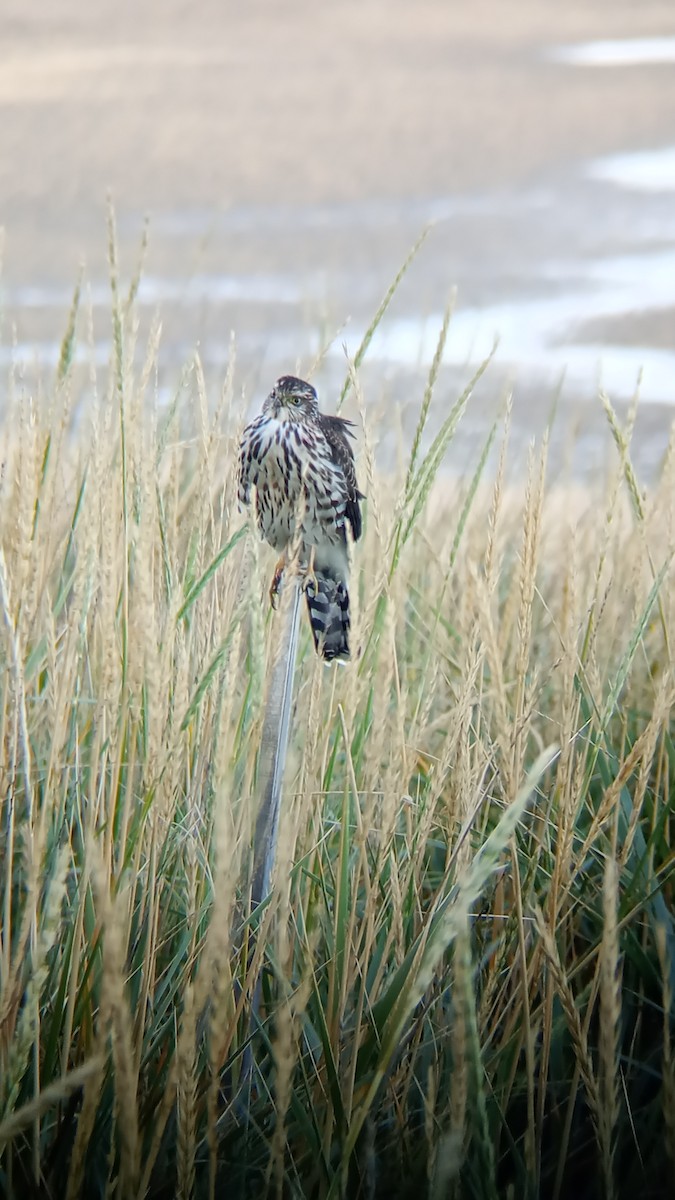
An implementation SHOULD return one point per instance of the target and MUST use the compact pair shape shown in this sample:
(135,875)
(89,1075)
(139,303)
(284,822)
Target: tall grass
(461,982)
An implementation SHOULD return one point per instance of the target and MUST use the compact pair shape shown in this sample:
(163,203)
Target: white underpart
(315,488)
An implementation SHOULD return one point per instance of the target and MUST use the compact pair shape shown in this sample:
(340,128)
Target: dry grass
(465,966)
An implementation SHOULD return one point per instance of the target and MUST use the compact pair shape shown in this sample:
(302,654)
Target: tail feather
(328,605)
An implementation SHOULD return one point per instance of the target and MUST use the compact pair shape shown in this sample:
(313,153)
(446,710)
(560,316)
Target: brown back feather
(336,431)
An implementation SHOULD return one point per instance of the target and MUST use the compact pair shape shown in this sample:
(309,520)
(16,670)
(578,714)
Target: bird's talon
(275,586)
(309,580)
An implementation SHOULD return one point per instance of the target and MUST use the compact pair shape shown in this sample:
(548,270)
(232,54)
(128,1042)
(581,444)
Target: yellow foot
(275,585)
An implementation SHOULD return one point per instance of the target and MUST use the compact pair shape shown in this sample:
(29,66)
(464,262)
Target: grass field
(462,981)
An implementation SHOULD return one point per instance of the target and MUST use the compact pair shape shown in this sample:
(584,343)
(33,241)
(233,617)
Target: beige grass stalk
(534,498)
(186,1098)
(26,1034)
(20,755)
(474,1066)
(567,627)
(610,1016)
(49,1098)
(641,751)
(360,831)
(577,1031)
(116,1016)
(93,1088)
(450,1157)
(657,729)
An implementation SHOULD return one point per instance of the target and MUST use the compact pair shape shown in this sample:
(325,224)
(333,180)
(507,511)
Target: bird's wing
(336,432)
(247,464)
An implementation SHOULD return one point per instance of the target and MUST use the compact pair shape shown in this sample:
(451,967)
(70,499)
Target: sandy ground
(302,138)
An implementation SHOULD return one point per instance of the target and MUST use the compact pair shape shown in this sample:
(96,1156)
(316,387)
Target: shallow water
(645,170)
(524,270)
(573,274)
(616,52)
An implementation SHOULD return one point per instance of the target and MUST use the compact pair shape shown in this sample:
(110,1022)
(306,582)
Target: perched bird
(301,465)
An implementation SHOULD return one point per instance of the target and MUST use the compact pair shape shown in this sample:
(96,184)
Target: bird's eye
(293,399)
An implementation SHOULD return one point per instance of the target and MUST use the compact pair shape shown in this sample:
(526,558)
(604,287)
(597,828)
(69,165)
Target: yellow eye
(293,399)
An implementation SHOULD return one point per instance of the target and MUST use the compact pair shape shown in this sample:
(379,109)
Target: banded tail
(328,605)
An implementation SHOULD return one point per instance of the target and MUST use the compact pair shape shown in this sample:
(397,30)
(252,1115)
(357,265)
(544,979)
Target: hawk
(302,467)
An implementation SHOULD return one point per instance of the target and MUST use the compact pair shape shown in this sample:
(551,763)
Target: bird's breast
(292,471)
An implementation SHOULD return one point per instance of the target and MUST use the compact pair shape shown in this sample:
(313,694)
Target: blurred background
(289,155)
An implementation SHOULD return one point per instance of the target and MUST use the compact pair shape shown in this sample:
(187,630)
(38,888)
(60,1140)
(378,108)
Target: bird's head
(292,399)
